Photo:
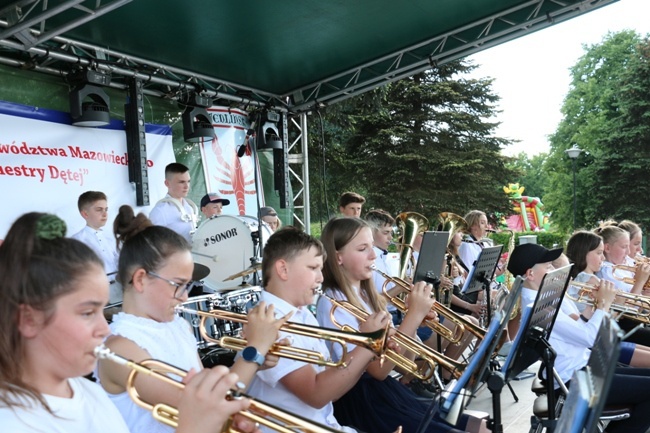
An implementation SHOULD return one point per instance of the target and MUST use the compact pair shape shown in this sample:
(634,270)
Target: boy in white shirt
(292,269)
(93,208)
(175,210)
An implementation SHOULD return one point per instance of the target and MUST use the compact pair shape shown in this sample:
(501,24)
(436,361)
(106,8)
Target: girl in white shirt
(54,290)
(155,270)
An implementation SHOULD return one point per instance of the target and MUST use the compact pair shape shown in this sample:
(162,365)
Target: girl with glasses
(53,292)
(155,269)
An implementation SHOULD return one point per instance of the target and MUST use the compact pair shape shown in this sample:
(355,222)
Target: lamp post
(573,153)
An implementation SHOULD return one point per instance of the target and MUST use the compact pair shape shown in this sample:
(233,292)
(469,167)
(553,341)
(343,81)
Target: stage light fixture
(197,125)
(267,135)
(89,104)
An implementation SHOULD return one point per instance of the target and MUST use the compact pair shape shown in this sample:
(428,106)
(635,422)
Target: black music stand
(482,272)
(430,262)
(431,257)
(589,386)
(601,368)
(531,342)
(452,401)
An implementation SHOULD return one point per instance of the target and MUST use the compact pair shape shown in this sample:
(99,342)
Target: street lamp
(573,153)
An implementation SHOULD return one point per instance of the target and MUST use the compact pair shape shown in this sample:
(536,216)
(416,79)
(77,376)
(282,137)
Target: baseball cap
(526,256)
(267,211)
(213,197)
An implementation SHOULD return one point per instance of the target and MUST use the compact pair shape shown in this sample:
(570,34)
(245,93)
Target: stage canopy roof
(289,54)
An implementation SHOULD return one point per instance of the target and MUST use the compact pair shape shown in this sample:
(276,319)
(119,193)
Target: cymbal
(200,272)
(245,272)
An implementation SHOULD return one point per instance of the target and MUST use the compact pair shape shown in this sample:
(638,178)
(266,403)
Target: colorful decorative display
(529,211)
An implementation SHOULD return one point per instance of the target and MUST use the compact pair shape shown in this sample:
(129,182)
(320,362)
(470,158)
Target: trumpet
(430,356)
(636,307)
(628,280)
(374,341)
(454,336)
(258,411)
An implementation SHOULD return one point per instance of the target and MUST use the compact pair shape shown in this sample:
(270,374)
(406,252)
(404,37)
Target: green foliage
(547,239)
(595,120)
(530,173)
(419,144)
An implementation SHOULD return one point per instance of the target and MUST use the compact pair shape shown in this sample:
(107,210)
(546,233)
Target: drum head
(225,244)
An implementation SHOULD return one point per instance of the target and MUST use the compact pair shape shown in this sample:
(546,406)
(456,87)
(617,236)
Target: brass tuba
(452,223)
(258,411)
(410,225)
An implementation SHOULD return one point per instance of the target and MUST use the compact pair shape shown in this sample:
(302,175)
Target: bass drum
(226,245)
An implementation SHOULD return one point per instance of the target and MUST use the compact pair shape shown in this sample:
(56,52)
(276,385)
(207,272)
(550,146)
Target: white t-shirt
(170,342)
(607,273)
(88,411)
(266,385)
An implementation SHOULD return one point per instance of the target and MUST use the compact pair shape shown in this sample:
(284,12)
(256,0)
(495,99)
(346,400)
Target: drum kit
(227,244)
(222,246)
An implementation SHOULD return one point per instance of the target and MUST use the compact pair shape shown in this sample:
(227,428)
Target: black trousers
(631,387)
(640,336)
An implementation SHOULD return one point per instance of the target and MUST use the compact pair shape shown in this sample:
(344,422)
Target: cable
(323,177)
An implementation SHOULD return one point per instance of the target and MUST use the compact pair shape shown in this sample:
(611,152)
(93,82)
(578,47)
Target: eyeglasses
(179,288)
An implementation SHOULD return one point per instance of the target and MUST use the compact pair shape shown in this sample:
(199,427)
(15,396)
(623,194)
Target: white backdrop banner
(45,164)
(225,173)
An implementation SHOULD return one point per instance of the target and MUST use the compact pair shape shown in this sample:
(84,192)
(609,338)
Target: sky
(531,74)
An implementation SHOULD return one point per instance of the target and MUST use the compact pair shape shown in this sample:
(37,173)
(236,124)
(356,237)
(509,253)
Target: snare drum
(201,303)
(241,300)
(225,245)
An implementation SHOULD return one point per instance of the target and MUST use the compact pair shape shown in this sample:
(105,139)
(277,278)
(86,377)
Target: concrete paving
(515,415)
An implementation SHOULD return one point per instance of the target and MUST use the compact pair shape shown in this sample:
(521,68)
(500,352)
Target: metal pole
(575,199)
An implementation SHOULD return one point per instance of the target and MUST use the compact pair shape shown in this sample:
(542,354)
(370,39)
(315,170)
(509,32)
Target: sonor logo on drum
(219,237)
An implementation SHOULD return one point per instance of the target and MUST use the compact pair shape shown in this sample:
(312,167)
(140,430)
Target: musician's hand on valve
(605,294)
(420,300)
(446,283)
(375,322)
(261,329)
(270,360)
(475,309)
(432,316)
(203,406)
(642,272)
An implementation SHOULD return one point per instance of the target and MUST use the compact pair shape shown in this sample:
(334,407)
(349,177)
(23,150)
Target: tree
(422,145)
(590,110)
(623,170)
(530,173)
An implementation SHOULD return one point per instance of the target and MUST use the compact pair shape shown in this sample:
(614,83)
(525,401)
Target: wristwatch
(251,354)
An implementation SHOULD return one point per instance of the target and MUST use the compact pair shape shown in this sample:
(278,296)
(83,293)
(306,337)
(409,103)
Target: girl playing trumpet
(53,290)
(155,269)
(377,402)
(586,251)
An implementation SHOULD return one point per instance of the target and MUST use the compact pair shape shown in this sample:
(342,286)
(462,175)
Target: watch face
(249,353)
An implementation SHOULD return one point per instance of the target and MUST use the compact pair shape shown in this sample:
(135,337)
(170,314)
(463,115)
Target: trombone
(454,336)
(428,355)
(258,411)
(636,307)
(373,341)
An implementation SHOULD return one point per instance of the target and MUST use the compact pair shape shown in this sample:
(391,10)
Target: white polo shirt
(571,339)
(267,386)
